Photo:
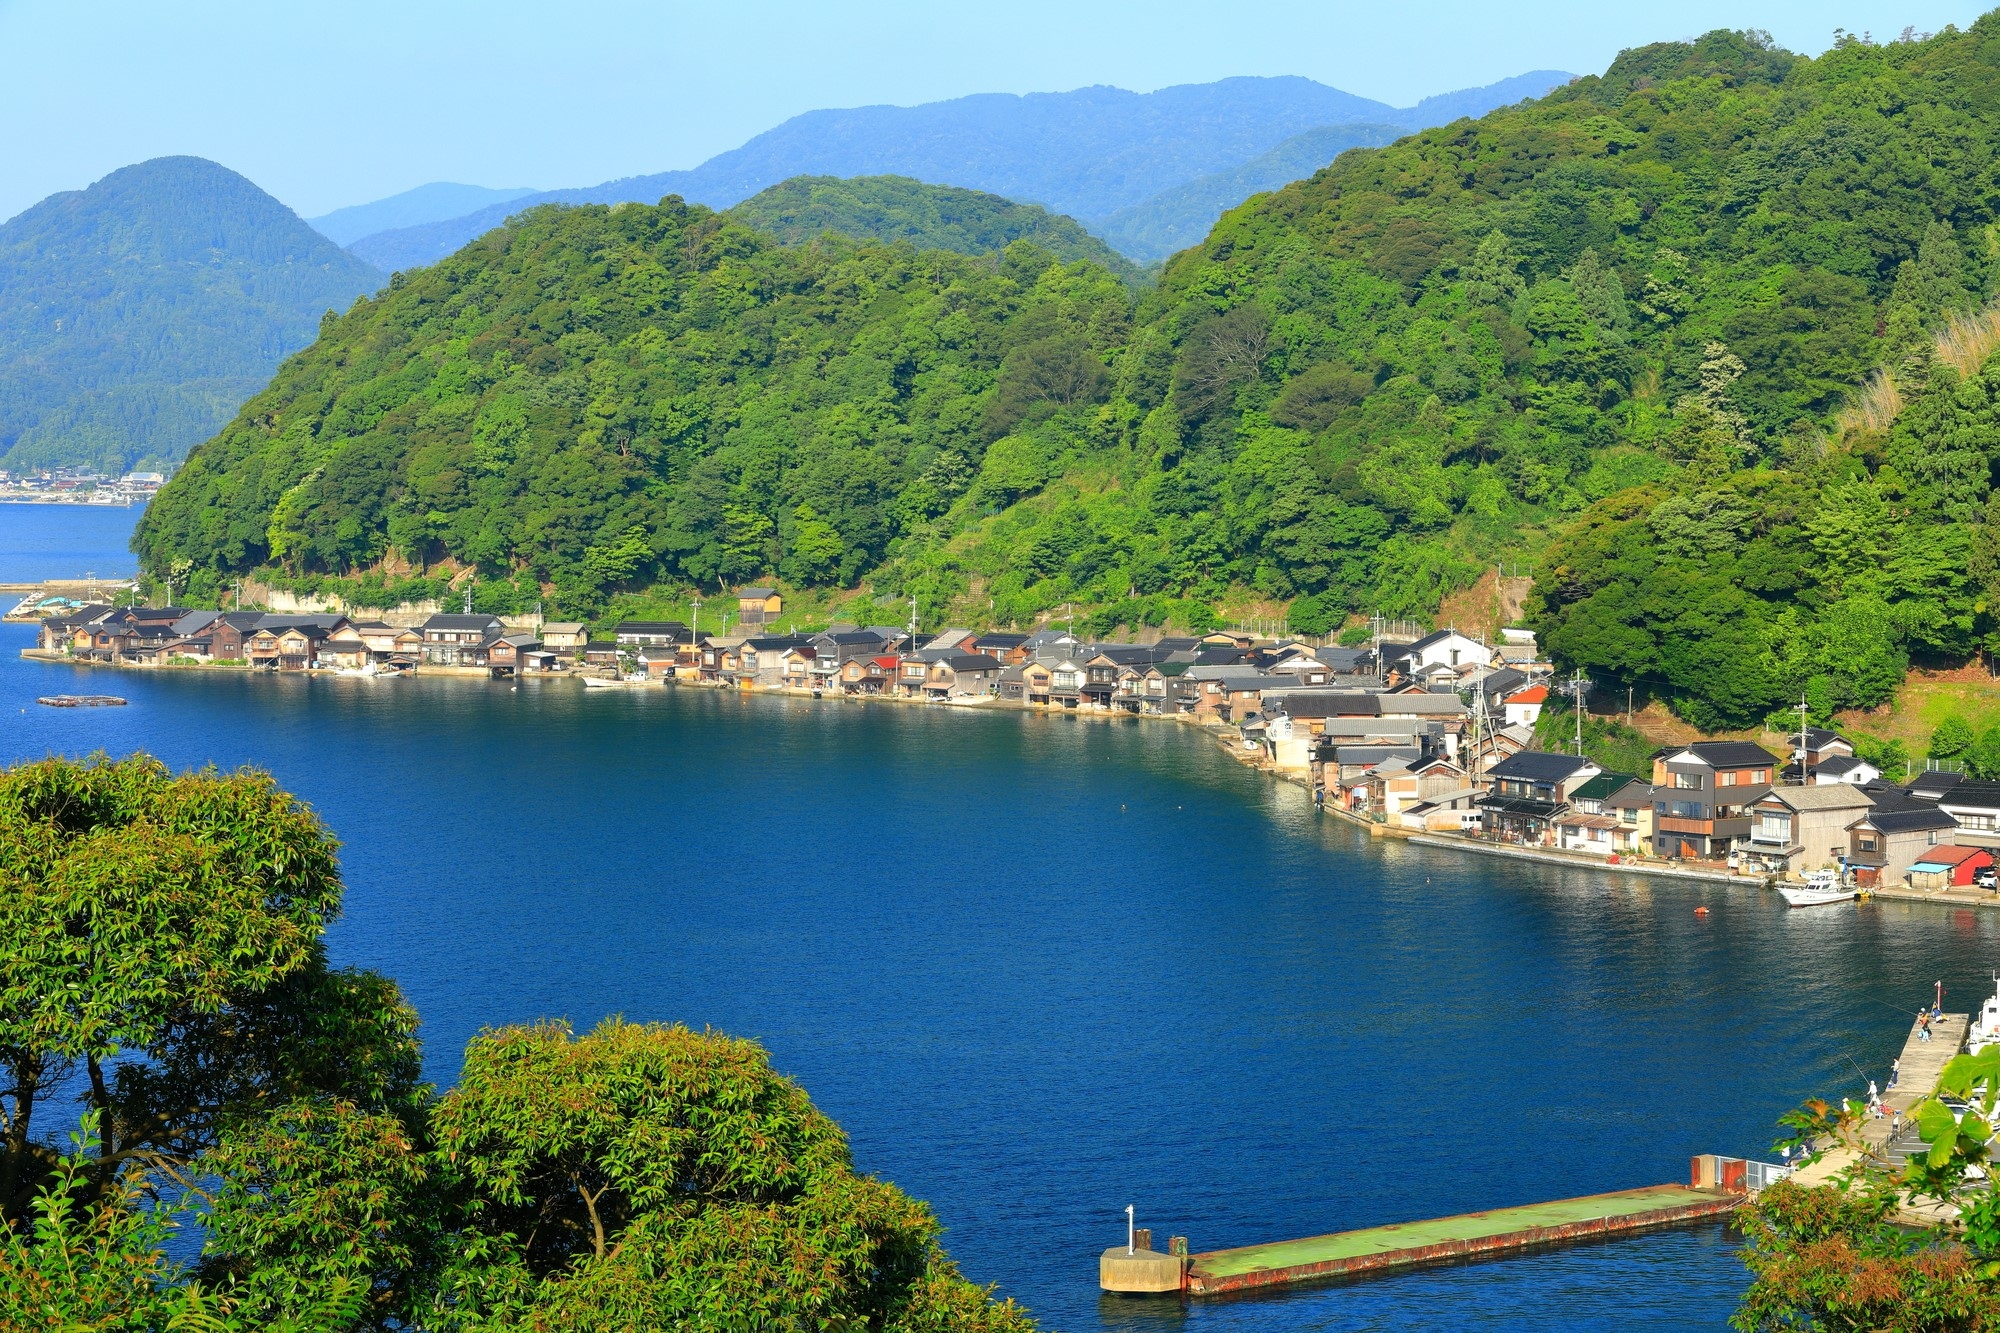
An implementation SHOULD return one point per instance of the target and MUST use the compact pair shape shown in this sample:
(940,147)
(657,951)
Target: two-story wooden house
(1703,794)
(757,608)
(565,636)
(963,676)
(454,639)
(870,675)
(1525,792)
(507,654)
(1796,829)
(286,647)
(1883,845)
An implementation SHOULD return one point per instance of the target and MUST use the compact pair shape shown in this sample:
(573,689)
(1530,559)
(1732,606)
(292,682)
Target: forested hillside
(137,315)
(930,217)
(598,398)
(1624,320)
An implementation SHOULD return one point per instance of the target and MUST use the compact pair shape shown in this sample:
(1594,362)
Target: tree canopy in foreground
(161,955)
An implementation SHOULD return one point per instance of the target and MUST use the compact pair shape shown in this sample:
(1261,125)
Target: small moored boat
(1985,1029)
(1821,887)
(80,700)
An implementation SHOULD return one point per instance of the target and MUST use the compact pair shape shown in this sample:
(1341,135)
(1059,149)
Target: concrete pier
(1383,1249)
(1921,1063)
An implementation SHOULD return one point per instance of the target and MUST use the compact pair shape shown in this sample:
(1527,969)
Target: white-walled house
(1524,707)
(1845,768)
(1445,647)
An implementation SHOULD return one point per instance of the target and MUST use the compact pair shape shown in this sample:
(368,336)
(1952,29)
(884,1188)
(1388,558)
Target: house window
(1630,814)
(1774,828)
(1762,775)
(1725,779)
(1686,810)
(1688,781)
(1976,823)
(1867,844)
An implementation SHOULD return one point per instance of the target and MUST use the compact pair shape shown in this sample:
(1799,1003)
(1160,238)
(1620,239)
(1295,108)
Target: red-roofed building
(869,675)
(1523,707)
(1949,867)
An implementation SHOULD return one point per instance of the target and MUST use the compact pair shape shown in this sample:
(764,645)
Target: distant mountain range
(1095,154)
(411,208)
(1181,216)
(138,314)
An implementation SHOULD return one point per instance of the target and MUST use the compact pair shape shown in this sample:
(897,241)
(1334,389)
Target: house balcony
(1711,828)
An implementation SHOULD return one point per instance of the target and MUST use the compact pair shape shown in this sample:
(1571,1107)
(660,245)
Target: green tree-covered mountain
(930,217)
(137,315)
(606,396)
(1612,331)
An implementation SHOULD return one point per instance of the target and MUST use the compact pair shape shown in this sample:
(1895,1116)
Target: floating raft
(81,700)
(1447,1239)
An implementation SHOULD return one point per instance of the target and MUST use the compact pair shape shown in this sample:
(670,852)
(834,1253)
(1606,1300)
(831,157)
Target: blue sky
(331,104)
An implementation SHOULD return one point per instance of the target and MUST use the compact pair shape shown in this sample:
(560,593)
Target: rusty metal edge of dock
(1442,1251)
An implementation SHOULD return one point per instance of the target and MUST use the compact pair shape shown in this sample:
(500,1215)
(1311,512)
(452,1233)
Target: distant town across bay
(75,486)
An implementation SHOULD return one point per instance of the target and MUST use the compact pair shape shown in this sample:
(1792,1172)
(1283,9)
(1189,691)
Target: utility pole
(1578,685)
(468,597)
(1628,705)
(913,622)
(1804,712)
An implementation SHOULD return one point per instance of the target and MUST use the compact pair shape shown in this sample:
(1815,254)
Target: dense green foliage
(136,316)
(638,1177)
(930,217)
(1741,593)
(1847,1254)
(1626,315)
(605,397)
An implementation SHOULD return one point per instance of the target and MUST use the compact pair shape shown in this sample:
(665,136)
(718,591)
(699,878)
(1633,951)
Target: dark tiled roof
(1728,754)
(1307,703)
(1537,766)
(1975,794)
(1908,818)
(454,620)
(972,662)
(1928,786)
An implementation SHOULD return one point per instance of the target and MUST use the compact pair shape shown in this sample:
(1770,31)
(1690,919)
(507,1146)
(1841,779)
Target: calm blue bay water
(1041,968)
(45,541)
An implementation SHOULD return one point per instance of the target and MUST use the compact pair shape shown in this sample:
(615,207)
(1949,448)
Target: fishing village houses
(1431,735)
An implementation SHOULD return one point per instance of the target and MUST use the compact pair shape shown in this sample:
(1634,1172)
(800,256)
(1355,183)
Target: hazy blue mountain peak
(1088,153)
(412,208)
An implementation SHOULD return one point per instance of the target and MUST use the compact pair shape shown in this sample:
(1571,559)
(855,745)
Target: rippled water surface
(1040,968)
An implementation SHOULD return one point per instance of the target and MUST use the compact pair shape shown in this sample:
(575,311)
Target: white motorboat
(1820,887)
(1985,1029)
